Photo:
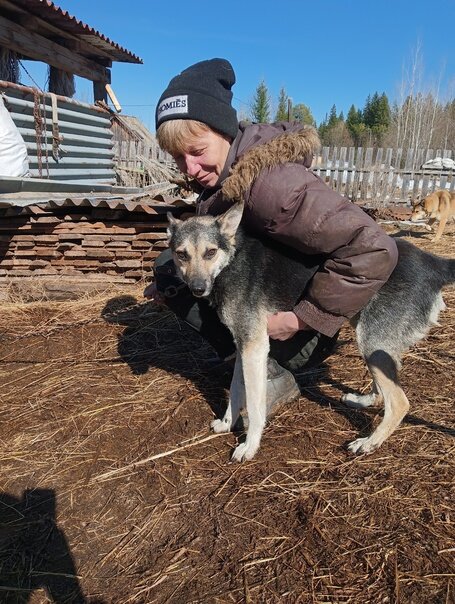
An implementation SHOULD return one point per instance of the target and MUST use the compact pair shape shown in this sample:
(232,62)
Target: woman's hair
(175,136)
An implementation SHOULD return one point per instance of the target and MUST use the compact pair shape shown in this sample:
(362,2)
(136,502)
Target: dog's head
(203,246)
(418,212)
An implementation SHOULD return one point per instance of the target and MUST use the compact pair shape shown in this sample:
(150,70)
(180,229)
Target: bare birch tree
(420,120)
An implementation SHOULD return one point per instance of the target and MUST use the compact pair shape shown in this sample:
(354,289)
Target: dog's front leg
(429,225)
(442,224)
(236,400)
(254,363)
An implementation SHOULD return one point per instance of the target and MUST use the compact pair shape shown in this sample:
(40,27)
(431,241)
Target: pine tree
(353,117)
(301,113)
(333,130)
(383,118)
(322,129)
(260,109)
(384,112)
(282,111)
(366,110)
(333,118)
(377,116)
(355,125)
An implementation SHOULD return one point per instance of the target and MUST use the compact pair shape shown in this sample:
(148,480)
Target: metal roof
(151,206)
(56,16)
(158,204)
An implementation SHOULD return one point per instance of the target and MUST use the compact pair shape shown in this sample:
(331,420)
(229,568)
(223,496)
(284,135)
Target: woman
(268,166)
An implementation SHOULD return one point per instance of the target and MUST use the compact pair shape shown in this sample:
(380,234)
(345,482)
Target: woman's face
(204,157)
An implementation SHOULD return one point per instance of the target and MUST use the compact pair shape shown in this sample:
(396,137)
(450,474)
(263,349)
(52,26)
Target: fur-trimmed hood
(297,146)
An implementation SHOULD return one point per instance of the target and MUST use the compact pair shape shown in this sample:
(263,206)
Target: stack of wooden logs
(85,242)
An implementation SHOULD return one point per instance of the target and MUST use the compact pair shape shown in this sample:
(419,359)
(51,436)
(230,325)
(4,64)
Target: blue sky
(321,53)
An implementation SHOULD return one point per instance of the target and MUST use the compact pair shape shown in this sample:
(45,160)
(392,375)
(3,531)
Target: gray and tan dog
(247,279)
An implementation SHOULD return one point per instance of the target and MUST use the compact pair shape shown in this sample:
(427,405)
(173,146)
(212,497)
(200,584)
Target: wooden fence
(128,153)
(140,164)
(377,176)
(382,176)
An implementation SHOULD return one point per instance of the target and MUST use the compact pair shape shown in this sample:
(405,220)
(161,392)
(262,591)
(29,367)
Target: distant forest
(420,121)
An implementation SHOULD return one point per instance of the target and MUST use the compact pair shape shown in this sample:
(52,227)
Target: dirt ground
(115,491)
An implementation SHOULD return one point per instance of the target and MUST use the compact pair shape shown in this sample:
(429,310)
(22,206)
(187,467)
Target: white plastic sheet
(13,152)
(440,163)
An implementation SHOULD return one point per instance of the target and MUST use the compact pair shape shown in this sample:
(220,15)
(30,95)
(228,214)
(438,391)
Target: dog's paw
(220,425)
(358,401)
(362,445)
(244,452)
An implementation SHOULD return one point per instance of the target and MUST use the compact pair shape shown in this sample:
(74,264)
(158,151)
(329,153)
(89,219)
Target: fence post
(376,168)
(387,180)
(357,174)
(349,176)
(341,171)
(366,173)
(408,170)
(332,162)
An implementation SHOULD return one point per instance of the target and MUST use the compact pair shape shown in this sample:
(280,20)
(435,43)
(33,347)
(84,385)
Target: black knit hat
(203,93)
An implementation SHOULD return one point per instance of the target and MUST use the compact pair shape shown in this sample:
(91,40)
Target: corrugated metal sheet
(156,200)
(134,205)
(85,152)
(62,19)
(161,204)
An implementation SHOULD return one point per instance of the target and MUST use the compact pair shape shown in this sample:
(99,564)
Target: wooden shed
(68,141)
(67,222)
(39,30)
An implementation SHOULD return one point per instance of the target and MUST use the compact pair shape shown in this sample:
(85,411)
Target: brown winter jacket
(269,170)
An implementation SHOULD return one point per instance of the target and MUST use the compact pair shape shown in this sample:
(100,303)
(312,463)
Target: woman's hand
(283,325)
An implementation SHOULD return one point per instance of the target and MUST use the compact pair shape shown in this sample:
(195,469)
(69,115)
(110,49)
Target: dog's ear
(230,220)
(172,224)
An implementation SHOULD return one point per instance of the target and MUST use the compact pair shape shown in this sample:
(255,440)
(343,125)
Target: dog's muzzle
(199,288)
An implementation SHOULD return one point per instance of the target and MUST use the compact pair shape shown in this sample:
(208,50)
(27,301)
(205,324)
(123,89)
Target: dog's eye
(210,253)
(182,255)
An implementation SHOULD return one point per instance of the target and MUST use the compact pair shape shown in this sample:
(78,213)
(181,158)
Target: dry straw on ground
(114,490)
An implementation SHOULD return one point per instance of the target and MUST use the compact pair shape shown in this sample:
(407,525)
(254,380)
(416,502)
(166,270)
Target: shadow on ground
(34,552)
(154,337)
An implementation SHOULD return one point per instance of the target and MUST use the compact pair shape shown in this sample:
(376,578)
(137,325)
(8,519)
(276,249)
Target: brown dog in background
(439,206)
